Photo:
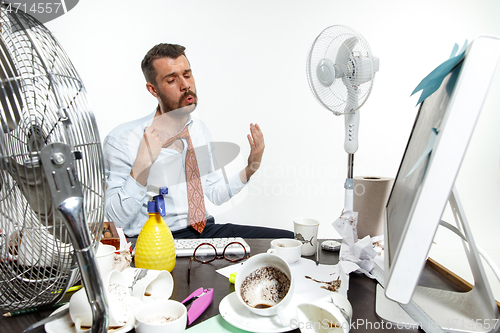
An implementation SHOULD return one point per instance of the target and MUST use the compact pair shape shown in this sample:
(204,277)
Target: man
(159,150)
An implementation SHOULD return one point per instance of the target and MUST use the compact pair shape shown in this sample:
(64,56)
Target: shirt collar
(152,116)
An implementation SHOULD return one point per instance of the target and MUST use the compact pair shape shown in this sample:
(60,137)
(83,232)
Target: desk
(361,291)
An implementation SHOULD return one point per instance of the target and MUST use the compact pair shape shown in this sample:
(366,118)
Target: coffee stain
(111,328)
(332,325)
(377,243)
(331,286)
(272,282)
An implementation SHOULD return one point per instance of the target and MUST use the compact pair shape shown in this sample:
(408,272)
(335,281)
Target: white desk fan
(51,173)
(340,71)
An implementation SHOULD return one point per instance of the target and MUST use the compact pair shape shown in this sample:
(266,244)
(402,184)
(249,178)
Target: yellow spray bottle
(155,247)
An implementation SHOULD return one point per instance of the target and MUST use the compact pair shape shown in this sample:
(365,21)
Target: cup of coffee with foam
(287,248)
(264,285)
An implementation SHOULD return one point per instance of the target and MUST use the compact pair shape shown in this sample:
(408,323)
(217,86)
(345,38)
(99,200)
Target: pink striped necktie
(196,201)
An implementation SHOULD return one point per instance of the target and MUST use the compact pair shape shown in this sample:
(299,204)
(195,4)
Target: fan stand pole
(350,165)
(350,146)
(349,185)
(58,163)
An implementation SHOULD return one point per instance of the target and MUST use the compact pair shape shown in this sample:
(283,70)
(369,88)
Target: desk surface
(361,292)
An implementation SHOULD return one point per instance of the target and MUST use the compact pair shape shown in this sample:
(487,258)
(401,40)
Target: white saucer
(66,325)
(239,316)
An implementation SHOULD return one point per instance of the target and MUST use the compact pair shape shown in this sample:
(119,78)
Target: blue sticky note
(433,81)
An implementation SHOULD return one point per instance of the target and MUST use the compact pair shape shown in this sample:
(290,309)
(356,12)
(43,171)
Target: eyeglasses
(206,252)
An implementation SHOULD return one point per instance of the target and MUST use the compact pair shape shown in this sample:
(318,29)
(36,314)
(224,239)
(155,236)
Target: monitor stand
(436,310)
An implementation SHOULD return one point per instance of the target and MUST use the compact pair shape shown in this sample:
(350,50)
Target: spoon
(138,275)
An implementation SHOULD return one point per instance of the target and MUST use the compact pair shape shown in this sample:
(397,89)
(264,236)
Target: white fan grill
(326,46)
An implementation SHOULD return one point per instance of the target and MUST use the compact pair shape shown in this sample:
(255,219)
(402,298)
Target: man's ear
(152,89)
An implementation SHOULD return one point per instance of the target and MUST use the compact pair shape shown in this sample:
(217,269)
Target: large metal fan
(51,172)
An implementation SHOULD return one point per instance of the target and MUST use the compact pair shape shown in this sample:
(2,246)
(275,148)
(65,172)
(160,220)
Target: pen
(23,311)
(70,289)
(318,248)
(44,321)
(74,288)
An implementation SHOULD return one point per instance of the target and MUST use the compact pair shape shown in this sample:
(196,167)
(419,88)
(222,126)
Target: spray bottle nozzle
(157,203)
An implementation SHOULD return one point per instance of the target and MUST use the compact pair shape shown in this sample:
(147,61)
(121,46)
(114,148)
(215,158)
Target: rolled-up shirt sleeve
(218,190)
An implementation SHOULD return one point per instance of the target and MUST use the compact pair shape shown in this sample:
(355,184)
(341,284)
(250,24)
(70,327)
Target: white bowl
(150,317)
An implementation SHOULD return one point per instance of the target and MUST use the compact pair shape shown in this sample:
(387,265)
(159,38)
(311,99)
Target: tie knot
(183,134)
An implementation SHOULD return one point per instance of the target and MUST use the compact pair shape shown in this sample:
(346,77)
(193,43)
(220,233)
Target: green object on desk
(232,278)
(216,324)
(70,289)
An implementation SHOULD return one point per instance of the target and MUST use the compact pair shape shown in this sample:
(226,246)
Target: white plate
(239,316)
(65,324)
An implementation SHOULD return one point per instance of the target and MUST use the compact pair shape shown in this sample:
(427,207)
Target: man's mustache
(187,94)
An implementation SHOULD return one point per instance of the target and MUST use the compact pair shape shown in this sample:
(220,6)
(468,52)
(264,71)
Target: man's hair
(159,51)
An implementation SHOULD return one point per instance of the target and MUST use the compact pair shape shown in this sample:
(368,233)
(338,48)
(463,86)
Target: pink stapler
(198,302)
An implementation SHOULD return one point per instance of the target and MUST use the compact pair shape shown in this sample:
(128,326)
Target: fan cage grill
(335,97)
(42,101)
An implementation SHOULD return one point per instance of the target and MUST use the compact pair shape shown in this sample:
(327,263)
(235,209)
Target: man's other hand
(149,150)
(256,141)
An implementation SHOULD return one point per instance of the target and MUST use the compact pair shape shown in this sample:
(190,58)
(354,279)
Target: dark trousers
(213,230)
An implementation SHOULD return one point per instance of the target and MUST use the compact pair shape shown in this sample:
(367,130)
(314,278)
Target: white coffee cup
(155,285)
(149,317)
(260,262)
(306,231)
(120,307)
(286,248)
(330,313)
(105,259)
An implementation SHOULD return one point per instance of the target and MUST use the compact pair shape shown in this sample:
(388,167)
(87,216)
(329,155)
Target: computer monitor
(425,180)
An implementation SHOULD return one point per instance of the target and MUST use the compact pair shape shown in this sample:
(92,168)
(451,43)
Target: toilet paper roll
(369,200)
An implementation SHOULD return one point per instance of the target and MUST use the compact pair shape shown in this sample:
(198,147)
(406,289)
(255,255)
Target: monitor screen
(415,161)
(430,164)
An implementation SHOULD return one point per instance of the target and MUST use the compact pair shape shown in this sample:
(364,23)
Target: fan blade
(365,69)
(345,51)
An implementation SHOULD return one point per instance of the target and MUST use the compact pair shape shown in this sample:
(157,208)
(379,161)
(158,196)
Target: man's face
(175,87)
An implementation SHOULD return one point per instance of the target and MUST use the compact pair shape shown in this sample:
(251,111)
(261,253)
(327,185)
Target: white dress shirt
(126,200)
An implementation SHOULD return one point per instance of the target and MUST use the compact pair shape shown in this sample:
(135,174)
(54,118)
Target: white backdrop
(248,58)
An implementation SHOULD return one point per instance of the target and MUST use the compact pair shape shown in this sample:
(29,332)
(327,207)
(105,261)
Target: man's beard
(168,105)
